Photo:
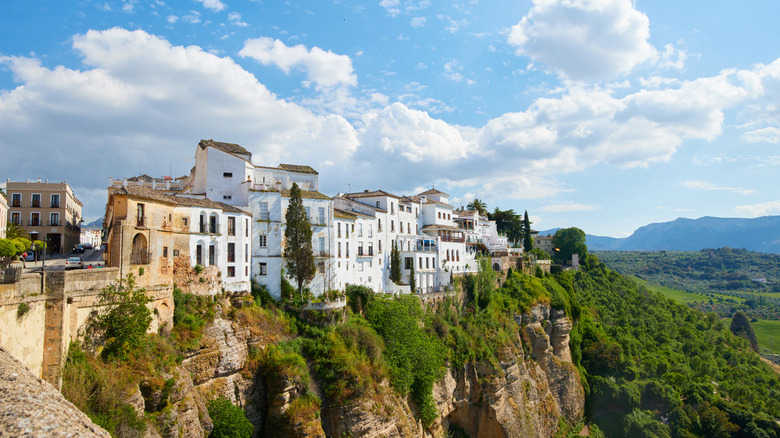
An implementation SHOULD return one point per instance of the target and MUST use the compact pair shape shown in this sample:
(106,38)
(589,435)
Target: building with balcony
(49,212)
(156,234)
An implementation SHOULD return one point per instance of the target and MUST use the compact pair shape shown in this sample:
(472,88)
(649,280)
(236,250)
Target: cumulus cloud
(140,104)
(584,40)
(708,186)
(324,68)
(757,210)
(213,5)
(763,135)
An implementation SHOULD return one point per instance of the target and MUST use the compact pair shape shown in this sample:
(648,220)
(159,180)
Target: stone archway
(140,250)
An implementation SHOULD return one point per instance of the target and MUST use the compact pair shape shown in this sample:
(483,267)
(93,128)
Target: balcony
(455,239)
(16,203)
(54,223)
(34,223)
(55,205)
(36,204)
(139,257)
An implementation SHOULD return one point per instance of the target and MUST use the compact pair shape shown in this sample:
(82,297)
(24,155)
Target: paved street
(56,262)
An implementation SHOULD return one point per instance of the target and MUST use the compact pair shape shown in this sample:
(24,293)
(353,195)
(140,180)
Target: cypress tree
(297,235)
(395,264)
(528,241)
(412,280)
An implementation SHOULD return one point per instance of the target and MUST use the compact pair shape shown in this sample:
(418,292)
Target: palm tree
(478,205)
(14,231)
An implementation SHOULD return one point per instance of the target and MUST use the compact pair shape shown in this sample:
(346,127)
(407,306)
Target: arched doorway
(140,251)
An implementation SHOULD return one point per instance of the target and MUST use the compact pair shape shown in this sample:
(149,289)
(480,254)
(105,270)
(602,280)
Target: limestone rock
(32,407)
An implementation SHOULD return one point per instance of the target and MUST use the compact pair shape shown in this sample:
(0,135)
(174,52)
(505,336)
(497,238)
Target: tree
(412,280)
(228,419)
(568,241)
(123,319)
(478,205)
(741,327)
(508,222)
(7,252)
(395,264)
(297,235)
(528,241)
(14,231)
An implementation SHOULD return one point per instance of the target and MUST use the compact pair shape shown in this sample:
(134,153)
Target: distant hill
(94,225)
(760,234)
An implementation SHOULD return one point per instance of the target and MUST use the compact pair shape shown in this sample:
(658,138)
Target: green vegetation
(768,335)
(567,242)
(297,236)
(395,264)
(22,310)
(228,419)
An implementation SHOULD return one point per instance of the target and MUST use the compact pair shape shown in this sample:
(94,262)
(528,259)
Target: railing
(139,257)
(34,223)
(10,275)
(36,204)
(55,205)
(54,223)
(16,204)
(452,239)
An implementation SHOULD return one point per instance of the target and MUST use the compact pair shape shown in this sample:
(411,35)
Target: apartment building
(155,233)
(49,212)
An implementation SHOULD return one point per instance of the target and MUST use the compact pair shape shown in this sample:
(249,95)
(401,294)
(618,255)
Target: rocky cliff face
(526,394)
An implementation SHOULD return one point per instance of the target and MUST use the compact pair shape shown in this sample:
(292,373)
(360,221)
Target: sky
(606,115)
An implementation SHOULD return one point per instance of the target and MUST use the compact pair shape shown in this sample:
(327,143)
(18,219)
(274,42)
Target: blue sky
(602,114)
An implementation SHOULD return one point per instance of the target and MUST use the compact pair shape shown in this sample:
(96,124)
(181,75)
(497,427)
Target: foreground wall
(56,315)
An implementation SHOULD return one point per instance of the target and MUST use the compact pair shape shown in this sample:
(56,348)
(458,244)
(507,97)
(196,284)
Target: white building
(91,237)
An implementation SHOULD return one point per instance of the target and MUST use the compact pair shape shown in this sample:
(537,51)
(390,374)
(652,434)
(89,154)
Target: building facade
(49,212)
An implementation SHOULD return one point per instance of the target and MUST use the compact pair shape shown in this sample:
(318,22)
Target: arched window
(213,224)
(202,223)
(140,253)
(212,253)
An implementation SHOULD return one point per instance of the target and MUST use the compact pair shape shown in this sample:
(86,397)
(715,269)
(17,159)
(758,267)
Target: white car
(74,262)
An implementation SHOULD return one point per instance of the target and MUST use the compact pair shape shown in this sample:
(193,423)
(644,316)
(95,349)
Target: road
(56,262)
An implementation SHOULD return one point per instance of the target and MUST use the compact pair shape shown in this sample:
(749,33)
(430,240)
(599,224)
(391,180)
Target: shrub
(198,268)
(229,420)
(22,310)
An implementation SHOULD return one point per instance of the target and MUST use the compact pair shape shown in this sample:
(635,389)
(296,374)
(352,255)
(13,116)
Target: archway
(140,252)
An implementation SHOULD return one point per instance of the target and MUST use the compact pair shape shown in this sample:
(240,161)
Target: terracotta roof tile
(230,148)
(433,192)
(370,194)
(156,195)
(298,168)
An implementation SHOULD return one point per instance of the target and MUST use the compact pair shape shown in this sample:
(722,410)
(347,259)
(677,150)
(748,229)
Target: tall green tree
(508,222)
(412,280)
(479,205)
(395,264)
(297,235)
(15,231)
(568,241)
(528,241)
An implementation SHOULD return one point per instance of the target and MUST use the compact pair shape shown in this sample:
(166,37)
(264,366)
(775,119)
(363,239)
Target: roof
(370,194)
(441,227)
(343,214)
(308,194)
(432,192)
(230,148)
(156,195)
(430,201)
(298,168)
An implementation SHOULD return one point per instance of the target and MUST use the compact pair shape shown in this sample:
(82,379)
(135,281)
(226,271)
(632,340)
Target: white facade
(91,237)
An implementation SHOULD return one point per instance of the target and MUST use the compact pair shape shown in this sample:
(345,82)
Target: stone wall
(56,315)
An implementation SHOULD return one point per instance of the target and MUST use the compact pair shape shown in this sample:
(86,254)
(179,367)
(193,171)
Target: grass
(764,329)
(675,294)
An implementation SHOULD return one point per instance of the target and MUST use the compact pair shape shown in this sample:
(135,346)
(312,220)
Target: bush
(198,269)
(22,310)
(229,420)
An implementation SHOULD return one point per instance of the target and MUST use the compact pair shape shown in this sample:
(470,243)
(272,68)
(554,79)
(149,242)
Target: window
(16,218)
(408,228)
(346,230)
(263,211)
(370,230)
(439,215)
(380,247)
(16,200)
(140,215)
(263,241)
(246,227)
(377,204)
(263,269)
(339,249)
(370,248)
(420,263)
(231,226)
(308,215)
(427,265)
(212,255)
(379,226)
(322,245)
(175,252)
(408,262)
(199,254)
(246,252)
(231,271)
(392,226)
(360,230)
(360,248)
(246,271)
(391,208)
(231,252)
(35,219)
(338,227)
(360,266)
(55,201)
(227,174)
(347,249)
(54,219)
(202,223)
(400,227)
(185,221)
(165,252)
(321,212)
(227,197)
(213,224)
(36,200)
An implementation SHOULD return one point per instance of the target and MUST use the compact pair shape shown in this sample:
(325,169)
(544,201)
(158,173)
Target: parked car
(74,262)
(30,257)
(87,246)
(78,249)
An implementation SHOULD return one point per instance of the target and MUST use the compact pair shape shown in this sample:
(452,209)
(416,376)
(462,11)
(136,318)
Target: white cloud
(418,22)
(391,6)
(757,210)
(235,19)
(567,207)
(213,5)
(672,58)
(325,68)
(139,104)
(172,19)
(708,186)
(192,18)
(763,135)
(584,40)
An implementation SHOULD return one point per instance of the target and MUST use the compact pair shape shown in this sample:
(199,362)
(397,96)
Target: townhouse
(49,212)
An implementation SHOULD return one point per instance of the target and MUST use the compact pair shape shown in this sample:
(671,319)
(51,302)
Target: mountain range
(761,234)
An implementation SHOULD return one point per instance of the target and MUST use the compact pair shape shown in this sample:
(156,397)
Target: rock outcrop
(522,395)
(30,406)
